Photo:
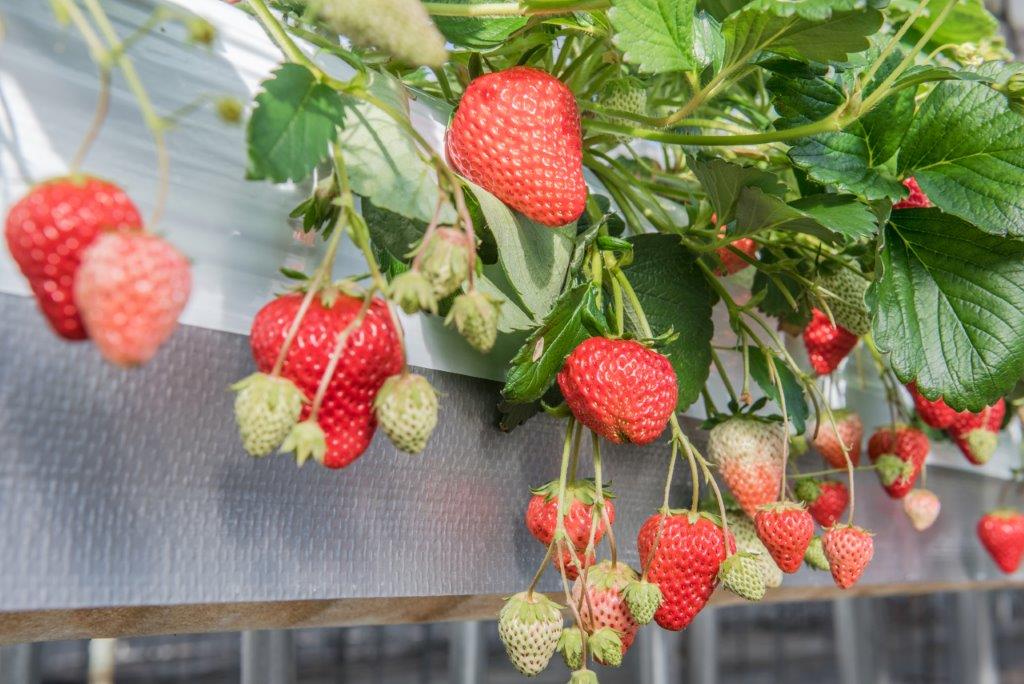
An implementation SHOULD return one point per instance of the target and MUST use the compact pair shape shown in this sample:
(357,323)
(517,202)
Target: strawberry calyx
(307,440)
(606,645)
(807,489)
(1006,512)
(530,609)
(570,645)
(583,490)
(891,468)
(603,576)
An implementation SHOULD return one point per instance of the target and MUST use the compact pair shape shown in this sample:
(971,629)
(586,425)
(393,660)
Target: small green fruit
(406,410)
(266,410)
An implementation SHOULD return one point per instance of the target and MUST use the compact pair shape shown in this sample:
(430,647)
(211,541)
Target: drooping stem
(563,475)
(153,121)
(599,485)
(338,352)
(98,117)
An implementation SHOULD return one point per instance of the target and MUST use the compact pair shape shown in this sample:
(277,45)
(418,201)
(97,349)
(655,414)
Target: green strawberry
(846,300)
(606,645)
(402,28)
(406,410)
(815,555)
(530,627)
(475,315)
(643,599)
(743,531)
(570,645)
(627,95)
(583,677)
(743,574)
(266,410)
(413,293)
(444,261)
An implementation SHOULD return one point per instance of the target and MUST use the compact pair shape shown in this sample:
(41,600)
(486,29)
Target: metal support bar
(268,657)
(660,656)
(19,664)
(977,655)
(467,654)
(703,647)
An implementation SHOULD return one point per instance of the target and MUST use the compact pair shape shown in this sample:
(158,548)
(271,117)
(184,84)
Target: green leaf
(511,318)
(923,73)
(819,30)
(396,233)
(966,150)
(774,302)
(969,21)
(382,161)
(850,160)
(723,181)
(824,216)
(656,35)
(675,296)
(574,318)
(477,32)
(535,258)
(949,307)
(708,41)
(294,121)
(796,401)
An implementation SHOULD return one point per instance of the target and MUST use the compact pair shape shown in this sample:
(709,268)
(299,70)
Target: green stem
(149,115)
(599,484)
(715,359)
(832,122)
(514,9)
(894,41)
(280,36)
(882,91)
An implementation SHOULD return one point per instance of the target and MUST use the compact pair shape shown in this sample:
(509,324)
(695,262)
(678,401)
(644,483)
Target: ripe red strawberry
(605,585)
(850,431)
(826,500)
(516,133)
(898,454)
(977,434)
(730,262)
(130,289)
(826,344)
(936,414)
(848,549)
(748,453)
(916,199)
(1002,534)
(542,517)
(922,507)
(372,354)
(785,528)
(620,389)
(685,565)
(47,231)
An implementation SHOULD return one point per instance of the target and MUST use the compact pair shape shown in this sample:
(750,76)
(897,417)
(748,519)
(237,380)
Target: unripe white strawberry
(444,261)
(530,627)
(846,301)
(475,315)
(266,410)
(406,410)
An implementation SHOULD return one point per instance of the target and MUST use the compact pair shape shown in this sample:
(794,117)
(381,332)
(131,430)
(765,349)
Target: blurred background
(960,638)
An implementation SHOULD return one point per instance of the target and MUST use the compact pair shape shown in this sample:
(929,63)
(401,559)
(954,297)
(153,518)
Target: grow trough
(126,503)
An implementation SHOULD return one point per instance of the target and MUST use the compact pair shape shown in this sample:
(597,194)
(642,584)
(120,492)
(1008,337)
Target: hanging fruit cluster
(610,175)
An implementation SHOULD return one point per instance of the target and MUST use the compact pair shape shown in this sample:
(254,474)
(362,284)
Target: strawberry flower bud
(413,293)
(445,260)
(475,315)
(570,645)
(606,645)
(307,440)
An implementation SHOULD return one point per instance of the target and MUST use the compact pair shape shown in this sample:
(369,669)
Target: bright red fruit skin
(516,133)
(826,344)
(371,355)
(732,263)
(786,530)
(916,199)
(541,518)
(47,231)
(620,389)
(685,565)
(830,504)
(936,414)
(1002,534)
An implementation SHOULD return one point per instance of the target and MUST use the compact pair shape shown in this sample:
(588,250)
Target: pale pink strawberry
(605,605)
(130,289)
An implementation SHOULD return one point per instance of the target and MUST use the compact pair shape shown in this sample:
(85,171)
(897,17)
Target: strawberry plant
(847,172)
